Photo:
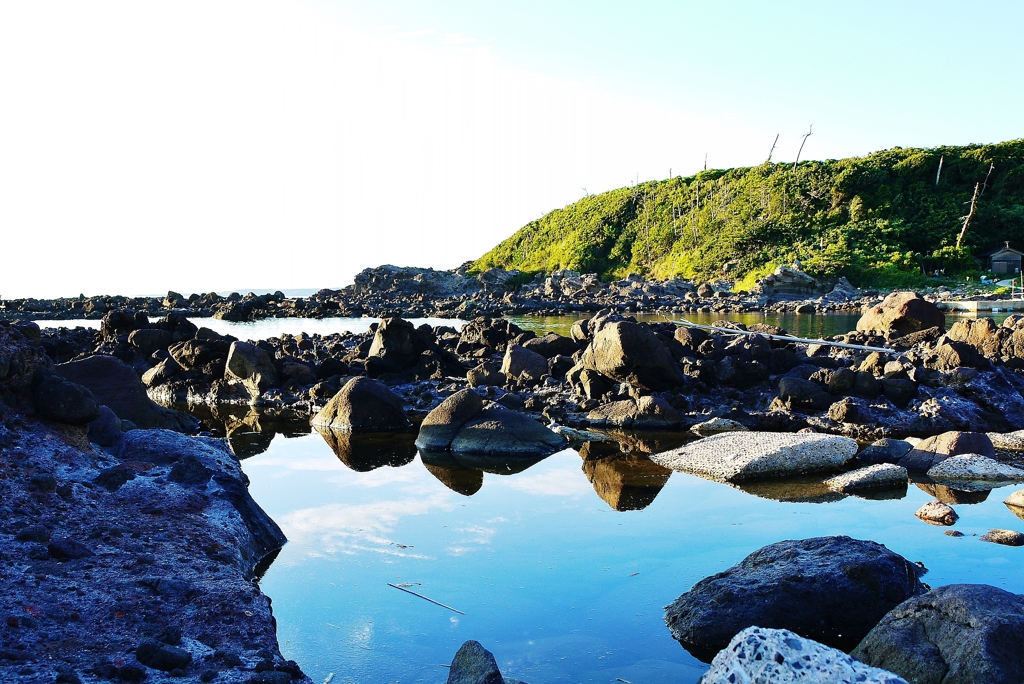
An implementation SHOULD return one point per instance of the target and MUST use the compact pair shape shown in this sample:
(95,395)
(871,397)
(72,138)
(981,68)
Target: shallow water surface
(560,585)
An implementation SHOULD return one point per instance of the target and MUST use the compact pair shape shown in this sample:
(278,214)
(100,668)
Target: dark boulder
(884,451)
(803,394)
(501,431)
(105,430)
(251,366)
(520,361)
(116,385)
(363,405)
(65,402)
(956,634)
(552,344)
(441,425)
(474,664)
(485,374)
(632,353)
(160,656)
(397,344)
(829,589)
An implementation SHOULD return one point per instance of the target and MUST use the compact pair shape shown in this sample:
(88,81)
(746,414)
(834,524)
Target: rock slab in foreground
(777,655)
(738,456)
(956,634)
(830,589)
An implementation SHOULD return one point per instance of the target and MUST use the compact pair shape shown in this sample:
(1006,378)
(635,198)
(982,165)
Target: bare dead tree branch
(967,219)
(938,174)
(771,151)
(991,167)
(806,136)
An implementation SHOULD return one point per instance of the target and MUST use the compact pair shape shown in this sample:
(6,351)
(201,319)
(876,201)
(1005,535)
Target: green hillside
(879,220)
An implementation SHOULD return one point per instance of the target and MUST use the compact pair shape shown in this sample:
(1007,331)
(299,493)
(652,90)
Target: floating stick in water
(426,598)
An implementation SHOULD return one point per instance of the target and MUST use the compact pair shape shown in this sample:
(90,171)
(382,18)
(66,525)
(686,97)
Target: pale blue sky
(216,144)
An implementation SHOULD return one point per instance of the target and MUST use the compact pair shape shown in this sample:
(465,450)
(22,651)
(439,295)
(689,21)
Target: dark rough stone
(131,673)
(189,470)
(65,402)
(474,664)
(68,549)
(500,431)
(270,677)
(159,656)
(956,634)
(798,393)
(441,425)
(363,405)
(884,451)
(106,429)
(35,533)
(117,386)
(485,374)
(902,313)
(112,478)
(632,353)
(42,482)
(899,391)
(829,589)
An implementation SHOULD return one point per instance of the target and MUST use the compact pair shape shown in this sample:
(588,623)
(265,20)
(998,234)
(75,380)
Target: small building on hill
(1005,260)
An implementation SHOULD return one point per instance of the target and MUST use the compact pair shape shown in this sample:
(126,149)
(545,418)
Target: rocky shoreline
(390,291)
(744,406)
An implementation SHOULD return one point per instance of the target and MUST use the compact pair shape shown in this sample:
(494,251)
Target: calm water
(560,585)
(812,326)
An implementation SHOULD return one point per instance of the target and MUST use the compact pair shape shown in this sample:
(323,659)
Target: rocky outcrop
(902,313)
(632,353)
(148,551)
(363,405)
(765,655)
(829,589)
(741,456)
(956,634)
(251,366)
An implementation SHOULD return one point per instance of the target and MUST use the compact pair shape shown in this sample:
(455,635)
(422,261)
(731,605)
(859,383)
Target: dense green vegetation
(878,220)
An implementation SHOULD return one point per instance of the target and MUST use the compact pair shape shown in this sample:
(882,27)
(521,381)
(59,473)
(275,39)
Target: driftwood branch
(967,219)
(425,598)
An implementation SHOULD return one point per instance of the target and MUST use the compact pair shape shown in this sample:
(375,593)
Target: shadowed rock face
(956,634)
(363,405)
(368,451)
(902,313)
(829,589)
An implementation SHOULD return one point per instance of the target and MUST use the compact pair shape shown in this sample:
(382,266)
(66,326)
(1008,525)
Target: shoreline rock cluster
(129,553)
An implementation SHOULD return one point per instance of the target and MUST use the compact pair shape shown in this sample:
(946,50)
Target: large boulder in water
(633,353)
(363,405)
(829,589)
(739,456)
(758,654)
(117,386)
(441,425)
(501,431)
(902,313)
(956,634)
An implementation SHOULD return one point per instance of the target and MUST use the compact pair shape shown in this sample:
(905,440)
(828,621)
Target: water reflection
(626,482)
(451,473)
(949,495)
(365,452)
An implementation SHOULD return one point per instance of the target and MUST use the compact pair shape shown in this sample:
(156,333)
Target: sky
(241,144)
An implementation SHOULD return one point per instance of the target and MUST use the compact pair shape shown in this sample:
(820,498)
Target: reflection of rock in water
(451,473)
(369,451)
(948,495)
(647,442)
(499,465)
(792,490)
(251,433)
(625,482)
